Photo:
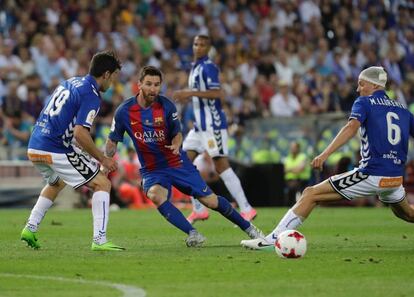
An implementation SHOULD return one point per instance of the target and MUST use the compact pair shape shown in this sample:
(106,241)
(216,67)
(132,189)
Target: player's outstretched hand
(318,161)
(109,164)
(174,147)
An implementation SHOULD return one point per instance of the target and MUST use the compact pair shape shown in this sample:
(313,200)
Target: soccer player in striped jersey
(385,126)
(69,114)
(151,120)
(210,127)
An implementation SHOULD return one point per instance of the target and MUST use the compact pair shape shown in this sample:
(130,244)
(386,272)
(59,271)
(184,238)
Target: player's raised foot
(254,232)
(194,239)
(249,215)
(107,246)
(198,216)
(30,238)
(258,244)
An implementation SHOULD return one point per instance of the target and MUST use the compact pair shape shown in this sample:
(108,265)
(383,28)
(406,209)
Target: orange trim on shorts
(39,158)
(390,182)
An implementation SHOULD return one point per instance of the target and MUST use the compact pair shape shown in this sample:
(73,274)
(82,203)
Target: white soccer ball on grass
(290,244)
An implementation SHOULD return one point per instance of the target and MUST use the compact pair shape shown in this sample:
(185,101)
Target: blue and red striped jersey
(150,129)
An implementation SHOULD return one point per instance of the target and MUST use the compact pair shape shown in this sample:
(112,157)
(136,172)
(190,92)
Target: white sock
(38,212)
(100,213)
(233,184)
(288,222)
(197,205)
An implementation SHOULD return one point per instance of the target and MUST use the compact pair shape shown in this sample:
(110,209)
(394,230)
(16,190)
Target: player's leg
(221,205)
(188,180)
(157,188)
(349,185)
(77,170)
(46,198)
(42,162)
(219,152)
(44,202)
(311,196)
(403,210)
(193,146)
(233,184)
(396,199)
(101,187)
(199,213)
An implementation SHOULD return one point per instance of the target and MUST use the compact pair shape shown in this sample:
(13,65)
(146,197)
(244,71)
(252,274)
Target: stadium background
(312,51)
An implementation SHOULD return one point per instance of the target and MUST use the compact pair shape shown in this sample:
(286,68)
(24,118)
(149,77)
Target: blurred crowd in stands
(278,58)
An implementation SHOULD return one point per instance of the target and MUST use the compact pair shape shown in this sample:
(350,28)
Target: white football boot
(258,244)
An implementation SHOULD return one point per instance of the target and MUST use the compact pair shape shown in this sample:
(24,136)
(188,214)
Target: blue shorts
(187,179)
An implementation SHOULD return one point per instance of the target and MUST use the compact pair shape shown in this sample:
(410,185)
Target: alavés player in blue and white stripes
(210,127)
(385,127)
(68,115)
(151,121)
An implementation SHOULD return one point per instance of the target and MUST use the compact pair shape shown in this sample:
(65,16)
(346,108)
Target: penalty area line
(128,291)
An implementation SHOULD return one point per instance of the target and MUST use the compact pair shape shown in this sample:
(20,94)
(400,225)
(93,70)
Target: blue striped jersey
(386,126)
(75,101)
(208,113)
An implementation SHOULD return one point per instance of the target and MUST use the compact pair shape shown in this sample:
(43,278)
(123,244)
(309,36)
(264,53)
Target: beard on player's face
(149,94)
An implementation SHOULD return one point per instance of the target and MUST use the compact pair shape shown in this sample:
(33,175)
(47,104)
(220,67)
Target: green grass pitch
(351,252)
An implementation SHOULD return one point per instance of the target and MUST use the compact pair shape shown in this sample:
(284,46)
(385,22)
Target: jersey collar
(201,60)
(93,82)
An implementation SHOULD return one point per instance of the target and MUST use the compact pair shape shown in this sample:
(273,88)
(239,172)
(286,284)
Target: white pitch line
(128,291)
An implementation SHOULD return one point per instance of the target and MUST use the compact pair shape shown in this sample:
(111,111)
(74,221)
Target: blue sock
(225,208)
(175,217)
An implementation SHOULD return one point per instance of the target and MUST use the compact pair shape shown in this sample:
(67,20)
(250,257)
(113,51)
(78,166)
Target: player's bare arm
(176,144)
(183,95)
(84,139)
(343,136)
(110,148)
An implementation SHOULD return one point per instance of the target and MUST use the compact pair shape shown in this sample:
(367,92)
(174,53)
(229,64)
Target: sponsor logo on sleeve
(90,117)
(211,143)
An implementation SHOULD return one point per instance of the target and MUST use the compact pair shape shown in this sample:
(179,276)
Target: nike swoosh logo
(134,123)
(205,190)
(274,237)
(261,244)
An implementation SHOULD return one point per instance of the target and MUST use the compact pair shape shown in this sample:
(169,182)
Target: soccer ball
(290,244)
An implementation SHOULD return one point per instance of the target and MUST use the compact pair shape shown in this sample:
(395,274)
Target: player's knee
(51,191)
(57,186)
(156,197)
(101,183)
(307,193)
(210,201)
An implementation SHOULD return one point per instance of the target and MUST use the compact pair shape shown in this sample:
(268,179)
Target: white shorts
(354,184)
(73,168)
(214,142)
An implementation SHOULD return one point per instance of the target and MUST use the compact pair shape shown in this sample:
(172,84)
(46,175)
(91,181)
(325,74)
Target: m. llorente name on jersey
(385,101)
